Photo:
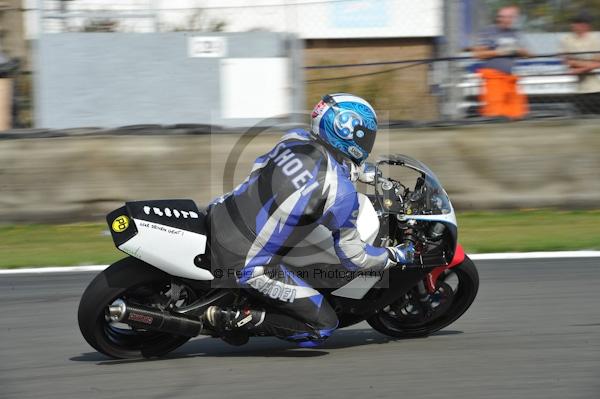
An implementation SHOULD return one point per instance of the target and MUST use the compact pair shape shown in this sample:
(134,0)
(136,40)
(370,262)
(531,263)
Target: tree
(198,21)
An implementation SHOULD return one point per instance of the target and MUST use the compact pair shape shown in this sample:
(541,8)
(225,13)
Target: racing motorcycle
(152,301)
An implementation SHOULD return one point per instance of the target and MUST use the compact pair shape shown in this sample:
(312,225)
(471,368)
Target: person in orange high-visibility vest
(499,46)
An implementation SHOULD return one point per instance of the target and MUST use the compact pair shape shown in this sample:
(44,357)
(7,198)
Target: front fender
(431,280)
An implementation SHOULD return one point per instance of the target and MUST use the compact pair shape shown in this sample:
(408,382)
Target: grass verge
(479,232)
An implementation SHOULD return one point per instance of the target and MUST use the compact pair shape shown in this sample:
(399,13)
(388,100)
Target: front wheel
(140,283)
(456,290)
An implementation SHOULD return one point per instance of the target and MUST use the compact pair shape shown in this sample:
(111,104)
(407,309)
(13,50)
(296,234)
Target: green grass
(84,244)
(56,245)
(529,231)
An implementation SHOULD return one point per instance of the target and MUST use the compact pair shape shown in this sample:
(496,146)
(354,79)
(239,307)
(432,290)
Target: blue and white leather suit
(290,190)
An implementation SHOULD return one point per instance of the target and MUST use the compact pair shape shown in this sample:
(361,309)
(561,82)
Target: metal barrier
(551,89)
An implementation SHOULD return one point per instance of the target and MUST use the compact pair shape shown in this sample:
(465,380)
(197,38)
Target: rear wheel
(137,282)
(456,290)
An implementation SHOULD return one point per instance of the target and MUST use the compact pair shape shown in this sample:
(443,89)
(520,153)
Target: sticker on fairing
(120,224)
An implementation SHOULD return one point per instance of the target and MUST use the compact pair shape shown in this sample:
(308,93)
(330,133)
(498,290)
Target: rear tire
(120,279)
(400,327)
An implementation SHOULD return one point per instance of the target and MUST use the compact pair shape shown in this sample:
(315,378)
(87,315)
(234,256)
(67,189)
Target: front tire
(402,324)
(132,278)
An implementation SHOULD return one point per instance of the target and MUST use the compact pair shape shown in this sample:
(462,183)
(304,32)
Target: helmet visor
(366,139)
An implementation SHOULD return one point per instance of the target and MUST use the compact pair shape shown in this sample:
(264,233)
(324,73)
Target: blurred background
(107,101)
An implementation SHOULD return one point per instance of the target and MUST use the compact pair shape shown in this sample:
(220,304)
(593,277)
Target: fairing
(428,201)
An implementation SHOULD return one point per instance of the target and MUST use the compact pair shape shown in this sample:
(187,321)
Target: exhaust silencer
(154,319)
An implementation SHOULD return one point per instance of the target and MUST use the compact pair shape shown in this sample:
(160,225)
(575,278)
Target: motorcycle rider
(304,181)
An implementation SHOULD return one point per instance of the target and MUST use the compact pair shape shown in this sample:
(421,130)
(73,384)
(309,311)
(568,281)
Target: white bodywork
(168,248)
(368,228)
(358,288)
(368,222)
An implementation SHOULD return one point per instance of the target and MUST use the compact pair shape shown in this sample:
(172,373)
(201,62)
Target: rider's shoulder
(297,134)
(300,141)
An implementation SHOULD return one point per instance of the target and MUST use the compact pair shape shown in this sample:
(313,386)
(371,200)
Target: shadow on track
(260,347)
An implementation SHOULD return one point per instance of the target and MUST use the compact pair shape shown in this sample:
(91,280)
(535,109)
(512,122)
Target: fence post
(452,93)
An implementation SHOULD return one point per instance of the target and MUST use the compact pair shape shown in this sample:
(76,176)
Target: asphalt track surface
(533,332)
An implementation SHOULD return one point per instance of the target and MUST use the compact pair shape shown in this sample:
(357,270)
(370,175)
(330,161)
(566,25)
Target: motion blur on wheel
(153,301)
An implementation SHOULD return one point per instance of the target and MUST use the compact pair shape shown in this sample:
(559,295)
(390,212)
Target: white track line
(493,256)
(54,269)
(536,255)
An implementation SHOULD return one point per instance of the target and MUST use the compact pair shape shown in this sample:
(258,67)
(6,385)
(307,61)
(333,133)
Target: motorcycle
(152,301)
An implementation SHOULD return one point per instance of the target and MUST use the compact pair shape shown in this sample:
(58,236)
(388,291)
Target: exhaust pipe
(154,319)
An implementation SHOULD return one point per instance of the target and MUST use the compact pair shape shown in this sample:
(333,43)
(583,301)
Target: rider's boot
(234,325)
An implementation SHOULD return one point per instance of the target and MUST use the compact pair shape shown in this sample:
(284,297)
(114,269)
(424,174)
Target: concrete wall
(519,165)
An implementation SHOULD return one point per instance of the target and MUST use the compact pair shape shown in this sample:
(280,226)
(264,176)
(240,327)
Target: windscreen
(427,196)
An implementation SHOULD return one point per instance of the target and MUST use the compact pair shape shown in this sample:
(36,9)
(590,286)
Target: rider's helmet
(347,123)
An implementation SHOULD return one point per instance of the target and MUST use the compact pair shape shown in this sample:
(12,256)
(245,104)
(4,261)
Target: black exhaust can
(155,319)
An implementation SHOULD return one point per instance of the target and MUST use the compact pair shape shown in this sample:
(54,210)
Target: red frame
(459,257)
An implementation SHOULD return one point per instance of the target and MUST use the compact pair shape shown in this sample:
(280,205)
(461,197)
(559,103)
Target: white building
(310,19)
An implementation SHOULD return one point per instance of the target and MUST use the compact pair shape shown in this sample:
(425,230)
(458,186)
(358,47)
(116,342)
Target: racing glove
(401,254)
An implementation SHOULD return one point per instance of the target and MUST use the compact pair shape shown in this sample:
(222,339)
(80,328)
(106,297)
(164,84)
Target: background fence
(408,58)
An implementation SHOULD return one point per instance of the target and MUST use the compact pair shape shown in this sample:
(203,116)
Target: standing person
(499,46)
(582,39)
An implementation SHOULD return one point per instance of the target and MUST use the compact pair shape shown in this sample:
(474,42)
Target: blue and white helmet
(347,123)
